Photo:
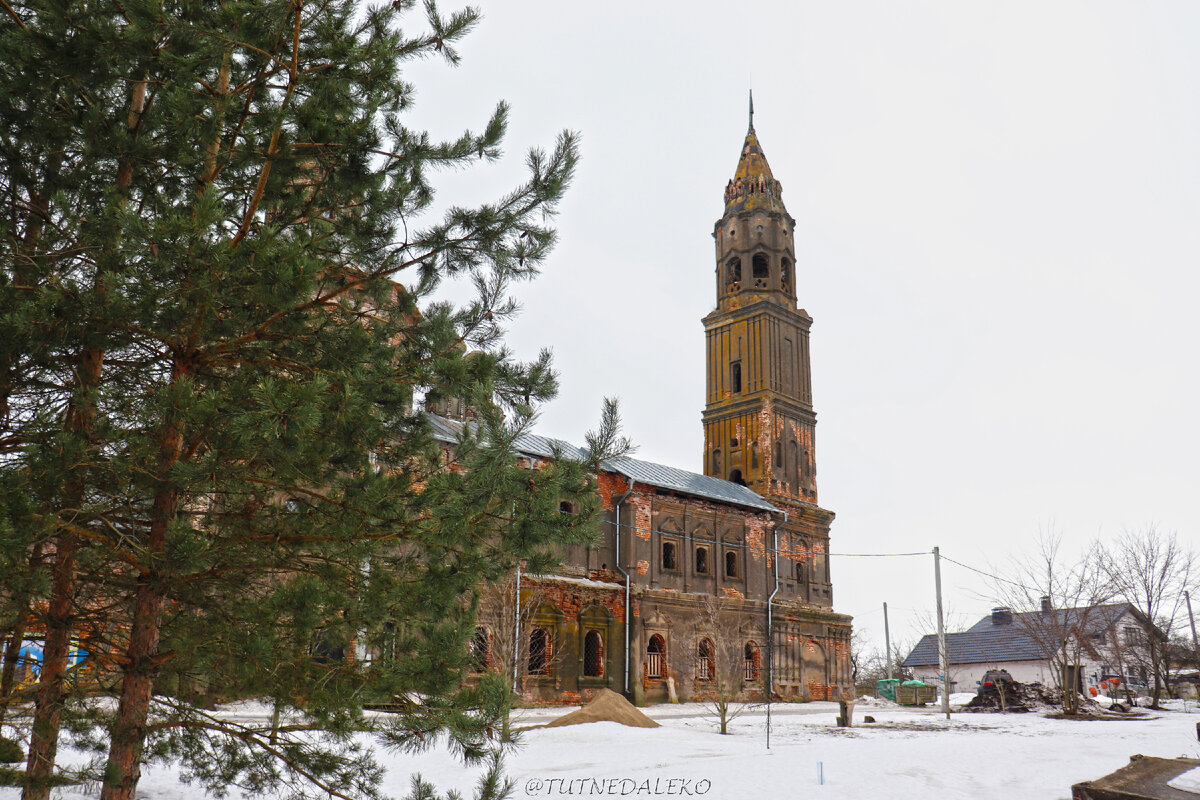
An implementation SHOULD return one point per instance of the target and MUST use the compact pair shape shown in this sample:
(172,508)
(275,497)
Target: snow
(1187,781)
(908,753)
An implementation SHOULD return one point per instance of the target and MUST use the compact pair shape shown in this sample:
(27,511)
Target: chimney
(1002,616)
(1046,605)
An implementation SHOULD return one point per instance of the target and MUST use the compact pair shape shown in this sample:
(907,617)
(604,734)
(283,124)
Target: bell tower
(759,422)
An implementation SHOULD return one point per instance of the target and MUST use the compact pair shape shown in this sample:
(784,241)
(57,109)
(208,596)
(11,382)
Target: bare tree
(505,640)
(869,663)
(725,661)
(1055,603)
(1150,570)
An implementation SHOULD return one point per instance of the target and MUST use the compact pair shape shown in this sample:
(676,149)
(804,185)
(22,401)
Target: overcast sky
(997,210)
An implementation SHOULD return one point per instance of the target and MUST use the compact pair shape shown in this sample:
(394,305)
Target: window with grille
(539,652)
(481,656)
(702,560)
(731,565)
(668,555)
(593,655)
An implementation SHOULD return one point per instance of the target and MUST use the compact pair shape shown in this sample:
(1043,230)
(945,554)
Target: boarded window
(539,652)
(656,651)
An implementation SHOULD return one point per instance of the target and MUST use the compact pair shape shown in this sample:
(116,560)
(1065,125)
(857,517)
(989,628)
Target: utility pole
(887,642)
(943,653)
(1188,599)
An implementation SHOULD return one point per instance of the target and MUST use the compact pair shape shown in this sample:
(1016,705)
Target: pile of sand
(608,706)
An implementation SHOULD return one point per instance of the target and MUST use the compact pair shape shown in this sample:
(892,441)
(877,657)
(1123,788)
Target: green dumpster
(886,688)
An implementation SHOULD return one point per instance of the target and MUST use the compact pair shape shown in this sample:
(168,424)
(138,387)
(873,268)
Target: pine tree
(216,268)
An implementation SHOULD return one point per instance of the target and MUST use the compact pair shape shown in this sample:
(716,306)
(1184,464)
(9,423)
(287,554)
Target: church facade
(714,582)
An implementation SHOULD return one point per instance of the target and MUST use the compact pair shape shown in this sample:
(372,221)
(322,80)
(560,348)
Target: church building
(712,583)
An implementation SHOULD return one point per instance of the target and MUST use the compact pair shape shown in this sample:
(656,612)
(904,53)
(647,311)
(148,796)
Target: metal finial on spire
(751,109)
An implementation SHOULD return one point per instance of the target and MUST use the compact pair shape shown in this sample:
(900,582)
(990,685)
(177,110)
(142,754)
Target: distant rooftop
(658,475)
(989,641)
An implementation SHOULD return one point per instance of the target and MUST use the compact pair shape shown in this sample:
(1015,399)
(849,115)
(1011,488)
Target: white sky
(996,213)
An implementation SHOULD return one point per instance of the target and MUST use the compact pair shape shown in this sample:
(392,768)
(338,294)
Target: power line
(989,575)
(792,552)
(880,555)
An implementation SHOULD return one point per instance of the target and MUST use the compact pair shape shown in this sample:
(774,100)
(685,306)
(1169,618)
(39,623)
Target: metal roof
(990,642)
(647,472)
(448,430)
(678,480)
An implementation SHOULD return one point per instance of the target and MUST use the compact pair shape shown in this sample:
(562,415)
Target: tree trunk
(142,658)
(124,766)
(20,625)
(43,741)
(1152,645)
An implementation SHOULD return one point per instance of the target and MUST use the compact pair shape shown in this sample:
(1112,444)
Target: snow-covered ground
(907,753)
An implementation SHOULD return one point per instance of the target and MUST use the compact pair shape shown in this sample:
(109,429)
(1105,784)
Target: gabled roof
(988,642)
(658,475)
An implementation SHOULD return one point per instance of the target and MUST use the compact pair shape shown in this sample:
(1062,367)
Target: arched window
(762,270)
(736,477)
(731,564)
(539,652)
(752,665)
(735,377)
(733,274)
(481,656)
(785,273)
(754,455)
(800,571)
(656,651)
(705,669)
(702,560)
(593,655)
(716,459)
(668,555)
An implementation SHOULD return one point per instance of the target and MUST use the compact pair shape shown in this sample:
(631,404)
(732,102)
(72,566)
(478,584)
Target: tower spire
(751,129)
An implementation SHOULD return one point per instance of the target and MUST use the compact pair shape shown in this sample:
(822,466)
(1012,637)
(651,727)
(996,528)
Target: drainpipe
(517,608)
(771,631)
(517,630)
(617,501)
